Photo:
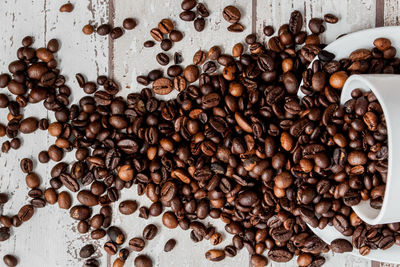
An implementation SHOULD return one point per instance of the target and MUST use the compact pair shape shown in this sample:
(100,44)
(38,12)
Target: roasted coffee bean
(10,260)
(25,213)
(231,14)
(104,29)
(330,18)
(187,15)
(199,24)
(215,255)
(129,23)
(149,232)
(143,261)
(128,207)
(26,165)
(175,36)
(4,233)
(116,235)
(188,4)
(87,251)
(137,244)
(169,245)
(341,246)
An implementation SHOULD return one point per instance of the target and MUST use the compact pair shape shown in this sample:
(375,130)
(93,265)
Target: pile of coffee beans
(236,145)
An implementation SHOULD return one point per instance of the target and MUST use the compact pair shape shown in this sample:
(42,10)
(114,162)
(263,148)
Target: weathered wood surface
(50,238)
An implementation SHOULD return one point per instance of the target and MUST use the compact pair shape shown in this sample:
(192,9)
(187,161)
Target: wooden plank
(50,238)
(392,12)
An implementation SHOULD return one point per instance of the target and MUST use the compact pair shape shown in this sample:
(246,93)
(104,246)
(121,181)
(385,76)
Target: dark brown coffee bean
(188,4)
(231,14)
(87,251)
(162,86)
(149,232)
(148,44)
(10,260)
(127,207)
(236,27)
(162,59)
(330,18)
(137,244)
(341,246)
(199,24)
(25,213)
(104,29)
(166,44)
(110,247)
(129,23)
(80,212)
(169,245)
(187,15)
(215,255)
(143,261)
(175,36)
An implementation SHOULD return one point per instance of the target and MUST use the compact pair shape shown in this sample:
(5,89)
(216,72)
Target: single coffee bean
(199,24)
(162,59)
(116,33)
(149,232)
(10,260)
(169,245)
(169,220)
(162,86)
(215,255)
(330,18)
(26,165)
(188,4)
(148,44)
(116,235)
(104,29)
(87,251)
(128,207)
(231,14)
(143,261)
(137,244)
(129,23)
(175,36)
(341,246)
(187,15)
(25,213)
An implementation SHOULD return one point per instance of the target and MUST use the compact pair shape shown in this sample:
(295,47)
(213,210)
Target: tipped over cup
(386,88)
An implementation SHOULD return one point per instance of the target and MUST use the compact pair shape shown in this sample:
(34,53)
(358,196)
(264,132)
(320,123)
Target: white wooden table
(50,239)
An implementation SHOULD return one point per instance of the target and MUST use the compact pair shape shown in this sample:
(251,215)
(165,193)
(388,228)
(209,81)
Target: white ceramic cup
(386,88)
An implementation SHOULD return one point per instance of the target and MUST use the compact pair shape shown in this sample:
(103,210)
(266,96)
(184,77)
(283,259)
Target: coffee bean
(236,27)
(10,260)
(104,29)
(165,26)
(231,14)
(88,29)
(162,86)
(199,24)
(129,24)
(187,15)
(25,213)
(137,244)
(148,44)
(316,25)
(166,44)
(87,251)
(169,220)
(4,233)
(79,212)
(68,7)
(175,36)
(215,255)
(169,245)
(341,246)
(128,207)
(188,4)
(149,232)
(110,247)
(162,59)
(330,18)
(116,235)
(143,261)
